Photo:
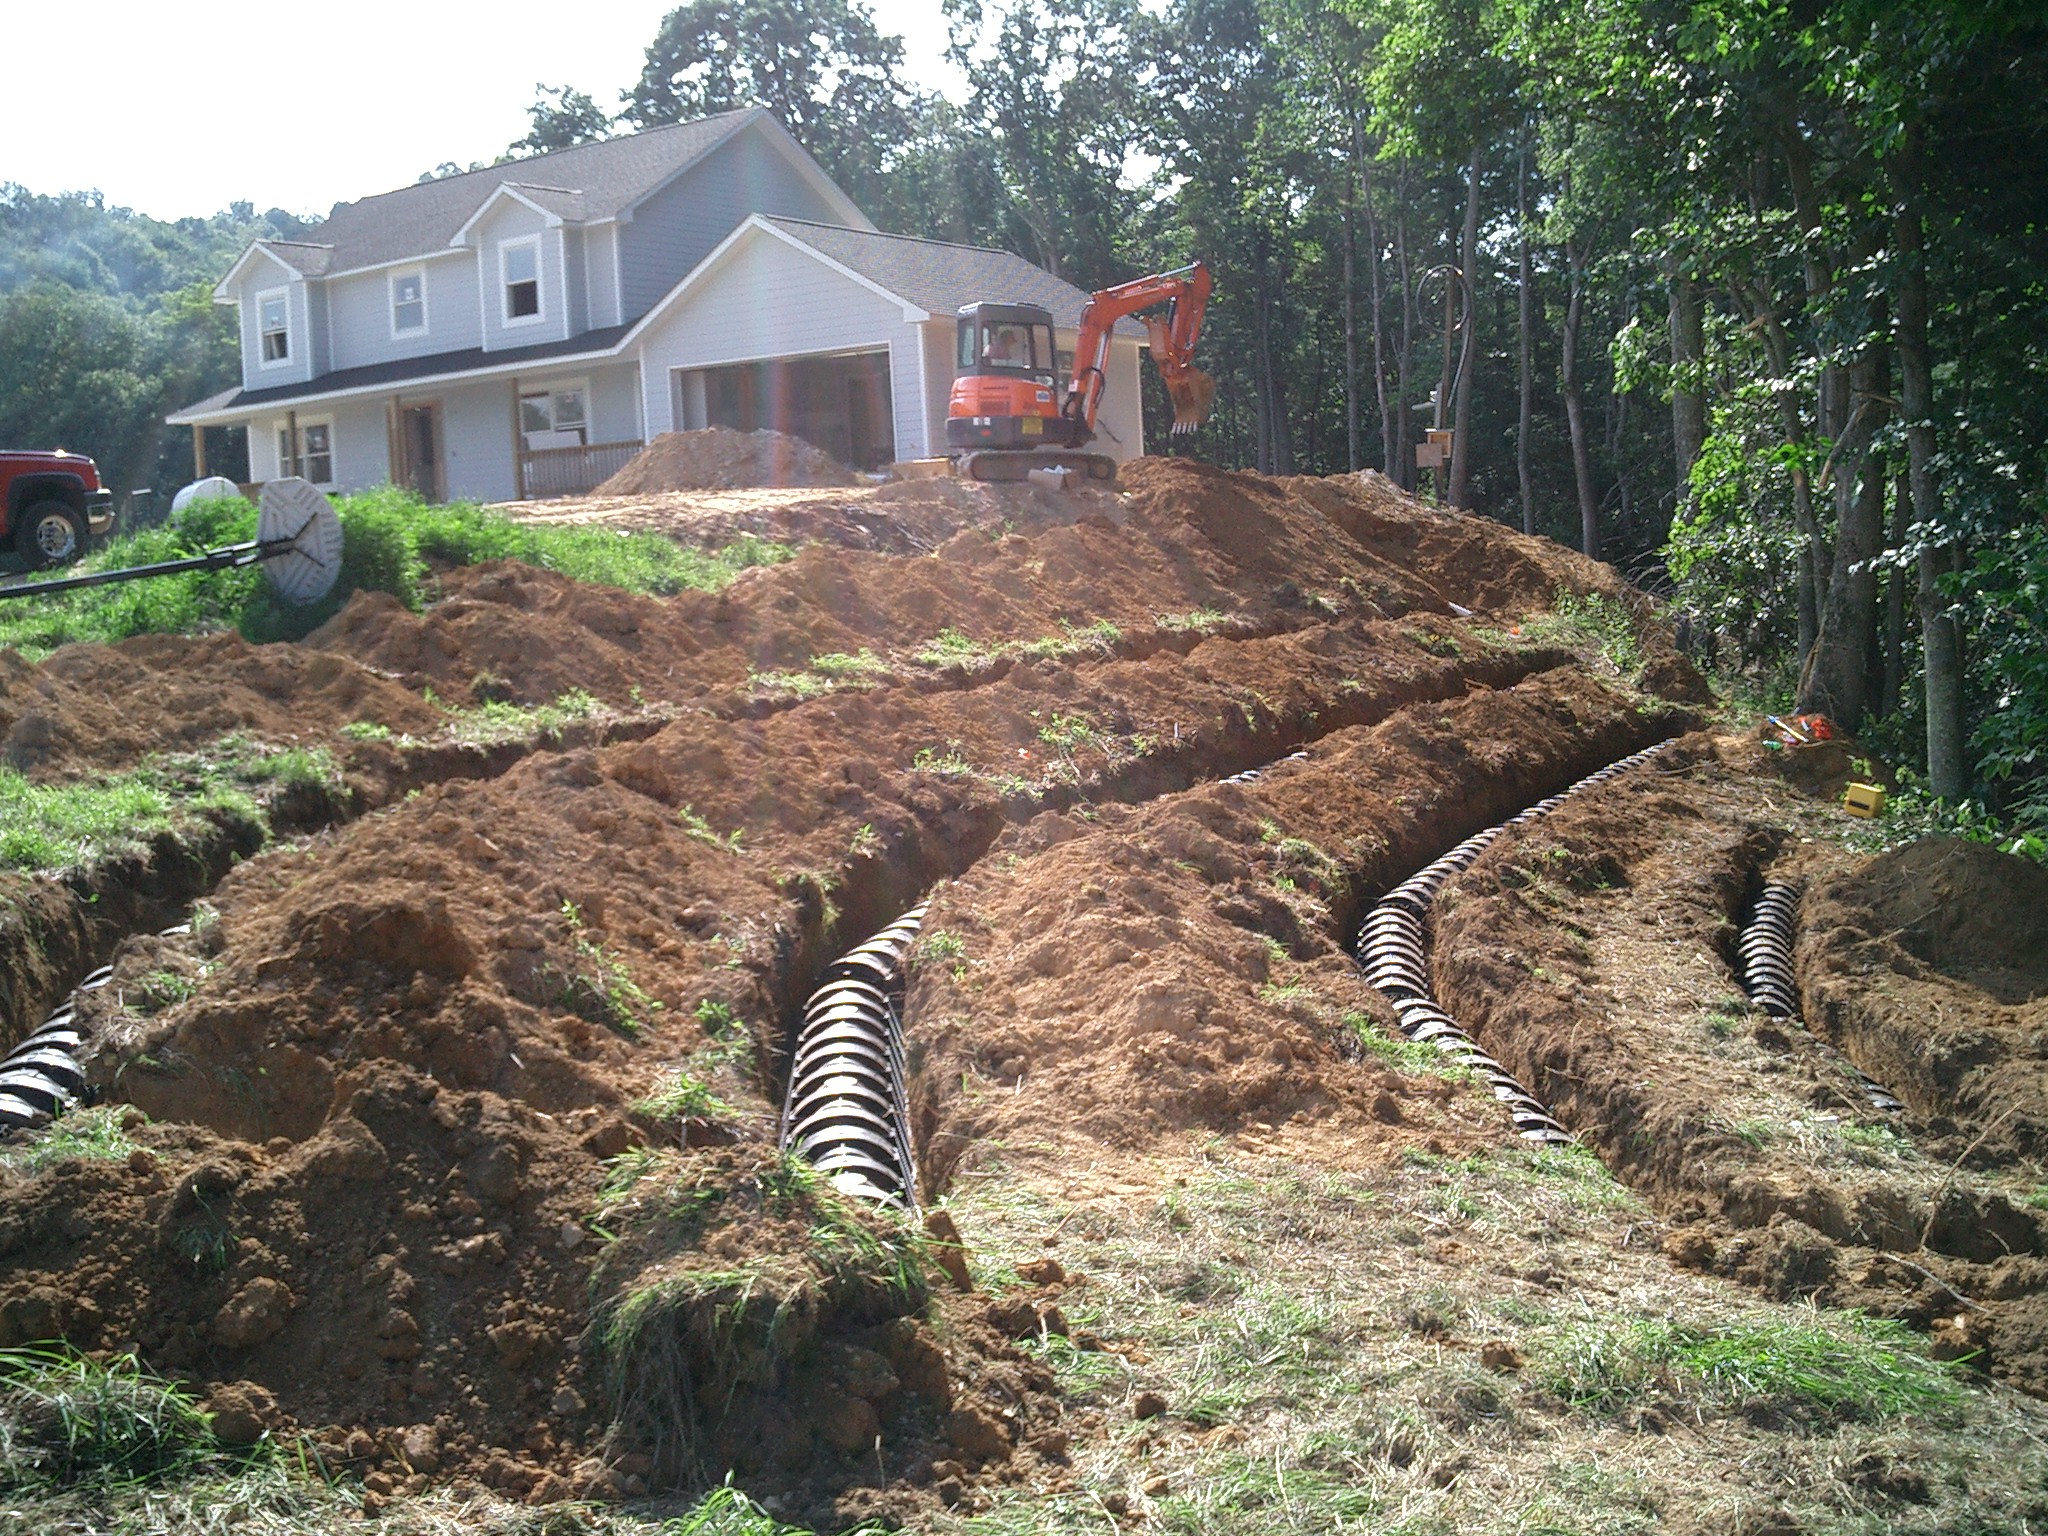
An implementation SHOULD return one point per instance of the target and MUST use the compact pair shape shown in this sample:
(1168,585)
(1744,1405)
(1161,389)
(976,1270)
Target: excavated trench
(1393,949)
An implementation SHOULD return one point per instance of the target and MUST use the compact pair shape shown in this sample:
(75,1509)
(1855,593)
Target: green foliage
(704,832)
(69,1419)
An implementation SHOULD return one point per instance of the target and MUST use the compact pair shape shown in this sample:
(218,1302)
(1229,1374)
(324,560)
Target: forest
(1745,297)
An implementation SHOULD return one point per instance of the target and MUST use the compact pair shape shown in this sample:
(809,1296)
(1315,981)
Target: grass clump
(1853,1368)
(727,1268)
(83,1134)
(66,1419)
(683,1096)
(391,542)
(704,832)
(496,720)
(1201,621)
(599,987)
(1594,622)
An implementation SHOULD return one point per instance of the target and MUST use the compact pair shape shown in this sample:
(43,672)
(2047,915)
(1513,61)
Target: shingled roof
(939,278)
(590,182)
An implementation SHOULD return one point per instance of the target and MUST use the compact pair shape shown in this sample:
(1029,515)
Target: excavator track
(1004,466)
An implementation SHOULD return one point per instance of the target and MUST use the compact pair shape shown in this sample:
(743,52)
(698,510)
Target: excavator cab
(1006,394)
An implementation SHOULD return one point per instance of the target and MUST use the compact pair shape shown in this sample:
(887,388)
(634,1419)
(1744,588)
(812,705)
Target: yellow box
(1863,799)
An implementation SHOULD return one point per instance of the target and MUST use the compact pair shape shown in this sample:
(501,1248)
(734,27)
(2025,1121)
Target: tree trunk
(1947,773)
(1835,682)
(1575,408)
(1351,306)
(1389,457)
(1526,382)
(1688,393)
(1894,670)
(1404,360)
(1468,351)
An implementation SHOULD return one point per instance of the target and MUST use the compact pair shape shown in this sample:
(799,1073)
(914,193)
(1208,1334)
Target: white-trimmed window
(273,327)
(315,451)
(519,276)
(555,417)
(408,301)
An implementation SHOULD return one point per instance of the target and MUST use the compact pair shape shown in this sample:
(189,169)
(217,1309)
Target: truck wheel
(49,533)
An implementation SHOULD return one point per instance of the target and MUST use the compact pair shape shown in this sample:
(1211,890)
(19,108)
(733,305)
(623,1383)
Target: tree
(561,117)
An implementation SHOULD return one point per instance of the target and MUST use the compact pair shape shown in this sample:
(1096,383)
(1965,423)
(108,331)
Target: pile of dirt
(101,707)
(1930,966)
(389,1085)
(719,458)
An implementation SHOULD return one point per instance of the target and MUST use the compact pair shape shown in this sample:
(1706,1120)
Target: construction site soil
(716,458)
(412,1173)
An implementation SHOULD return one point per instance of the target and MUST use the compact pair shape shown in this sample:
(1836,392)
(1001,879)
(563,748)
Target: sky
(174,110)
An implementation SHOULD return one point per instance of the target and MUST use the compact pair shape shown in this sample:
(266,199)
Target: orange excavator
(1004,421)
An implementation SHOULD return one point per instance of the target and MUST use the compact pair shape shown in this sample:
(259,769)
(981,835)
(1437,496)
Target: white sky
(178,110)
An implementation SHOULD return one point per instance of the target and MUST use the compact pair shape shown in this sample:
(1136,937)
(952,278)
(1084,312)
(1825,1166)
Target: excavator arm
(1186,293)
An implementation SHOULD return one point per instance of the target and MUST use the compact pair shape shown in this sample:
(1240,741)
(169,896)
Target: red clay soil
(1179,964)
(379,1121)
(103,707)
(1751,1135)
(720,458)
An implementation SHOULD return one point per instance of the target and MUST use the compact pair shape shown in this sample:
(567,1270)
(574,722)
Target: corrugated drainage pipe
(1393,949)
(848,1109)
(1765,950)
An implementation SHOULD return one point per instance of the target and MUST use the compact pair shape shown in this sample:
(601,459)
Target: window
(1006,344)
(272,324)
(519,264)
(315,455)
(408,301)
(554,418)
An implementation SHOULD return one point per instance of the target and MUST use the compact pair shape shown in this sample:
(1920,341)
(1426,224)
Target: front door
(419,432)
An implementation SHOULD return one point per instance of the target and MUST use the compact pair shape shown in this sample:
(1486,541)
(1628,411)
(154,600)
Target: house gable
(661,238)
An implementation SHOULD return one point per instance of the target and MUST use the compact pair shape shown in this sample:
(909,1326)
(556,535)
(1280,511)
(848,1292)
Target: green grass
(392,542)
(495,721)
(952,647)
(1205,621)
(61,826)
(704,832)
(1402,1054)
(67,1419)
(1842,1367)
(88,1134)
(682,1096)
(599,987)
(1593,622)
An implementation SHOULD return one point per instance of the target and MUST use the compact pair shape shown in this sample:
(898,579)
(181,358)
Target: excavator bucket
(1193,392)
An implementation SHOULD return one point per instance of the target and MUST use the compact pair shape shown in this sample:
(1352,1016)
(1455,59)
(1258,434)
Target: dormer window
(519,266)
(273,327)
(408,301)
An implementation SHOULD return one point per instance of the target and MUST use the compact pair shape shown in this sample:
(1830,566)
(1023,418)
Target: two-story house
(523,330)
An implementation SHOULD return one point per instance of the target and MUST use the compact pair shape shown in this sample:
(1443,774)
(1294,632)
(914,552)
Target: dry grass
(1320,1339)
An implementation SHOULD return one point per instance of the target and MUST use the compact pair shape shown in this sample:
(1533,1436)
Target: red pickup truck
(53,503)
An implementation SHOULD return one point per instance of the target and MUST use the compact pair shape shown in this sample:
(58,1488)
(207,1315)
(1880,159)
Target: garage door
(838,402)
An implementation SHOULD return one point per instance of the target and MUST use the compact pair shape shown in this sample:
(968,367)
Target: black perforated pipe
(1393,949)
(847,1112)
(1765,969)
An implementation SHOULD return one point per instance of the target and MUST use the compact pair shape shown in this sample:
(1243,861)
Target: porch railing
(549,472)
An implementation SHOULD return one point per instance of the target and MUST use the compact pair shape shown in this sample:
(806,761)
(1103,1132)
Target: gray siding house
(522,331)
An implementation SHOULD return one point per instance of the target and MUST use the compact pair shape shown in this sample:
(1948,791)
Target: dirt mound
(1930,965)
(99,707)
(395,1081)
(719,458)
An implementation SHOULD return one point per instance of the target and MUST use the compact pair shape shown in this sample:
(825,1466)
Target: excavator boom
(1186,292)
